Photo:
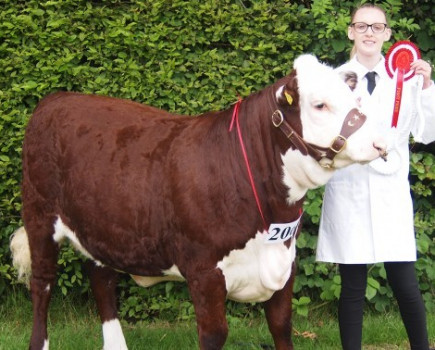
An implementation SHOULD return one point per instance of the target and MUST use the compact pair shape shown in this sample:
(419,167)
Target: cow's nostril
(383,154)
(382,149)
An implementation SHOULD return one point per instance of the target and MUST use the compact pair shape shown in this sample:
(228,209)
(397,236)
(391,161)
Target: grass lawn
(75,325)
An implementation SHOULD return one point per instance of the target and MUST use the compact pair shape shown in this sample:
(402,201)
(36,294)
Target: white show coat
(367,213)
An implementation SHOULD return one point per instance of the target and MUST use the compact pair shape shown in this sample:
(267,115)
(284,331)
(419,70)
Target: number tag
(282,232)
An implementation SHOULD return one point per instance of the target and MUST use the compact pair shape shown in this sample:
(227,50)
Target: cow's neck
(265,158)
(302,173)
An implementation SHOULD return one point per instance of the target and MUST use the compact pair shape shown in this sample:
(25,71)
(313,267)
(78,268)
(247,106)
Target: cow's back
(101,165)
(75,137)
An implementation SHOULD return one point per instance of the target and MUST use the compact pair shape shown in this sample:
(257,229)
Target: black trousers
(403,280)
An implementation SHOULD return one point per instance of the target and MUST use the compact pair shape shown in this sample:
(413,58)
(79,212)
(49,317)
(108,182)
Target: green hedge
(188,57)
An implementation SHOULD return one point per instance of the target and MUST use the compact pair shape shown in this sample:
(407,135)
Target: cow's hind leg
(208,293)
(44,251)
(103,283)
(279,313)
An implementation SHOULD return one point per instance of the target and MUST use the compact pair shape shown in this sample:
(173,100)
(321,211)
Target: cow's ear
(287,95)
(350,78)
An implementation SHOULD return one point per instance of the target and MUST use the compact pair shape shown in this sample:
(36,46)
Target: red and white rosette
(398,61)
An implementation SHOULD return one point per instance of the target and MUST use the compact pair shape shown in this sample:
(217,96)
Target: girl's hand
(425,69)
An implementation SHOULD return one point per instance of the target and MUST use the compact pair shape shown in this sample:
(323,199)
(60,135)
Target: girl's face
(368,43)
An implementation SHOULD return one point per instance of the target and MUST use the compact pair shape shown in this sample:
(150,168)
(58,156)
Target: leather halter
(324,155)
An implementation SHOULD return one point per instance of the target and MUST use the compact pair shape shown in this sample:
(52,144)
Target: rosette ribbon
(398,63)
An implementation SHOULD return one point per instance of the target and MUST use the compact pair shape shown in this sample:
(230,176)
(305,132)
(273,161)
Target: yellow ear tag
(288,97)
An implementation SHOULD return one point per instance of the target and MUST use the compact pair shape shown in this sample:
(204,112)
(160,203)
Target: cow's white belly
(258,270)
(253,273)
(172,274)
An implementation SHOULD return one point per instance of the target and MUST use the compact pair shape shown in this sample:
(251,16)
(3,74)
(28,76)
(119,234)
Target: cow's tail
(21,255)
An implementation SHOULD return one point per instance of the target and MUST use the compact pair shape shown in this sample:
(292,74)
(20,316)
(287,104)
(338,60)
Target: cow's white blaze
(324,106)
(324,100)
(254,273)
(46,345)
(113,336)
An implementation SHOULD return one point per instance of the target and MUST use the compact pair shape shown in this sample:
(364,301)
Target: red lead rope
(235,119)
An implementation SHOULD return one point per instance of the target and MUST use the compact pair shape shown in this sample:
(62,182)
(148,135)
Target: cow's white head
(329,117)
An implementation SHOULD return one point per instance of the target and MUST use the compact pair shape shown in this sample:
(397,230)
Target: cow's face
(324,101)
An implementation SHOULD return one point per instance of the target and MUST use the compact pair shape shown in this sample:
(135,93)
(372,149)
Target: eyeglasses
(361,27)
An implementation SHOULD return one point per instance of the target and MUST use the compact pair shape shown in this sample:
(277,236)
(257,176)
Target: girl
(367,214)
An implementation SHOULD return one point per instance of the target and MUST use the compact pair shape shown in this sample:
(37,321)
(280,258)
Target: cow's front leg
(279,313)
(208,292)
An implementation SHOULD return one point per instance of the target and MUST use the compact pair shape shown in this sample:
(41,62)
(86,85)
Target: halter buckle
(338,144)
(277,118)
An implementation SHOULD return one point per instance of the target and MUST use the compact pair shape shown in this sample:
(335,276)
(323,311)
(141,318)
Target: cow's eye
(320,106)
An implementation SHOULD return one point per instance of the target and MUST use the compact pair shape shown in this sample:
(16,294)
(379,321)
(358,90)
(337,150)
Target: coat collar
(361,70)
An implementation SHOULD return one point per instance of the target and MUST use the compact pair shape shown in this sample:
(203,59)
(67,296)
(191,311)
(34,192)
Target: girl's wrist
(427,84)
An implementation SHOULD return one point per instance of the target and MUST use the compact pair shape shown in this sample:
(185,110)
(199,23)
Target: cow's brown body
(142,191)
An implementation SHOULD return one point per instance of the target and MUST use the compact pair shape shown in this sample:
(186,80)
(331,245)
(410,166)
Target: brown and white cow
(168,197)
